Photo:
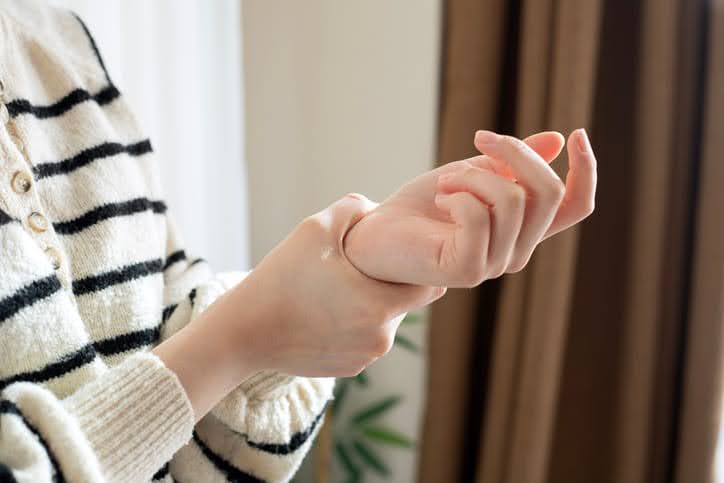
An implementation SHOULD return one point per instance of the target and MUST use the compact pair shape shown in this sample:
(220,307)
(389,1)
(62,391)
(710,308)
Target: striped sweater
(93,275)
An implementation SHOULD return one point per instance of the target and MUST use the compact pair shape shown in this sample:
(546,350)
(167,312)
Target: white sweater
(93,275)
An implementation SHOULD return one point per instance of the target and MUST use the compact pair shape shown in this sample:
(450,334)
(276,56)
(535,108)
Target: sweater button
(54,257)
(38,222)
(22,182)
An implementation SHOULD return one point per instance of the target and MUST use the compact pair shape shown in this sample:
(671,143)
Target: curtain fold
(555,89)
(602,360)
(701,405)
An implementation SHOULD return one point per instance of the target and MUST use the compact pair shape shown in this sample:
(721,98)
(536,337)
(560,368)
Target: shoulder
(54,27)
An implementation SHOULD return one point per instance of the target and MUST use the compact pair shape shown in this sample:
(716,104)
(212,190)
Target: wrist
(251,323)
(209,356)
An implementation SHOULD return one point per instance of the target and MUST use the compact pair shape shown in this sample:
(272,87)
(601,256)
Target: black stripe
(5,218)
(298,439)
(198,260)
(8,407)
(232,473)
(168,312)
(94,46)
(127,342)
(96,283)
(87,156)
(59,368)
(176,256)
(6,475)
(86,355)
(18,107)
(192,296)
(107,211)
(161,474)
(28,295)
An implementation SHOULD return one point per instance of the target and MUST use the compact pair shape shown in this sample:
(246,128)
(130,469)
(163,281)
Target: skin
(328,299)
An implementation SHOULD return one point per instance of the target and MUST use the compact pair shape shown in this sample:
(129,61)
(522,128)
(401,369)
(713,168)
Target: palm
(407,233)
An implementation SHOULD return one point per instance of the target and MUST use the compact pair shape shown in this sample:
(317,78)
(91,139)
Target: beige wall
(341,96)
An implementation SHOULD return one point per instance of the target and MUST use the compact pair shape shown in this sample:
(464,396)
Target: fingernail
(440,198)
(584,145)
(486,137)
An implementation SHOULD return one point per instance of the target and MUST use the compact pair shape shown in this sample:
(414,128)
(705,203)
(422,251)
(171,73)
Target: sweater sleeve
(120,427)
(264,428)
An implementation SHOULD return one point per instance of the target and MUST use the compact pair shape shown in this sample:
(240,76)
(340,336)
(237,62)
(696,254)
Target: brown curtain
(602,360)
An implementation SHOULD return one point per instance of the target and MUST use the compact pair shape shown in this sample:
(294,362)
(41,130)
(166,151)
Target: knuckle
(374,314)
(554,190)
(356,196)
(472,275)
(515,267)
(353,370)
(497,271)
(516,195)
(312,223)
(470,172)
(380,344)
(518,264)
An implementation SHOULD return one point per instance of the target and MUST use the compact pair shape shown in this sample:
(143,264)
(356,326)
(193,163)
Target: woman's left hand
(476,219)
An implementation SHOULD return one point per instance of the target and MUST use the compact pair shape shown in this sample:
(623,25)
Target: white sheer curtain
(179,64)
(719,468)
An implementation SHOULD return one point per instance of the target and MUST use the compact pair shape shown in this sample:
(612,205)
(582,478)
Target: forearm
(223,357)
(206,355)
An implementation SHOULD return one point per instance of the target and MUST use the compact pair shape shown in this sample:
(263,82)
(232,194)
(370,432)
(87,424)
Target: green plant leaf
(361,378)
(340,391)
(388,436)
(405,343)
(353,471)
(411,318)
(375,409)
(371,459)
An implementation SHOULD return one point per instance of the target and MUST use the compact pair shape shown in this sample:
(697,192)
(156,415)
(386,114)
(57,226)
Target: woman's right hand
(305,310)
(317,314)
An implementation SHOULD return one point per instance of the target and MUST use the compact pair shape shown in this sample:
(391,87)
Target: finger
(506,201)
(461,260)
(547,144)
(543,188)
(579,200)
(426,296)
(398,298)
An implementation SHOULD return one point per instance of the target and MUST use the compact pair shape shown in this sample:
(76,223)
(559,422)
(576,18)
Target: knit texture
(93,275)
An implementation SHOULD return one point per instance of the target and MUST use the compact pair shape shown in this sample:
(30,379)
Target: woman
(123,359)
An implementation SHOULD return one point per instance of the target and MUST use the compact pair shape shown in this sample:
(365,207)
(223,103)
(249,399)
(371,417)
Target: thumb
(548,144)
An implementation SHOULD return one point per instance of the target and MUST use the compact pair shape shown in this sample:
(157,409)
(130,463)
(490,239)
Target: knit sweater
(93,275)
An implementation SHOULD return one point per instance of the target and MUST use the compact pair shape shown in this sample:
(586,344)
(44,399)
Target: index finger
(547,144)
(527,166)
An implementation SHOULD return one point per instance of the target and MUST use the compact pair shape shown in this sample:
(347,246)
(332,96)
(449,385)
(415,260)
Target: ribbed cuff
(135,417)
(271,407)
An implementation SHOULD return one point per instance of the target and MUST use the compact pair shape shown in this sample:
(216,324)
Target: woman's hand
(304,310)
(321,316)
(476,219)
